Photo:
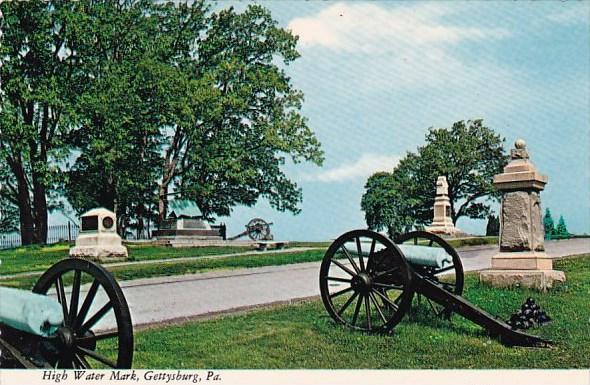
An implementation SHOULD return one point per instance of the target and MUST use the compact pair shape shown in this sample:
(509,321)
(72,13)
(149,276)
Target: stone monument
(522,260)
(442,223)
(98,238)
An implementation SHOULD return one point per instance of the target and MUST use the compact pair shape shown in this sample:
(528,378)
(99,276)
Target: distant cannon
(367,282)
(257,229)
(55,325)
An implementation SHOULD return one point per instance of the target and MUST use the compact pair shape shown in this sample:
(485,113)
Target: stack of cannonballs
(529,315)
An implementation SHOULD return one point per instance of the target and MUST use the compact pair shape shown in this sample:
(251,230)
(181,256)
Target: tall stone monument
(442,223)
(522,260)
(98,238)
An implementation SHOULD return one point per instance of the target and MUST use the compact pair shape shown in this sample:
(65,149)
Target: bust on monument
(98,238)
(442,187)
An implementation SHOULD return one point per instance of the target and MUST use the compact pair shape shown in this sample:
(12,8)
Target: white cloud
(572,15)
(369,27)
(366,165)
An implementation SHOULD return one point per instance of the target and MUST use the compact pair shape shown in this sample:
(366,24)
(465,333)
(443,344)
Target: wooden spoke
(343,308)
(95,318)
(350,272)
(360,253)
(86,305)
(81,361)
(357,309)
(372,296)
(373,243)
(333,295)
(338,279)
(352,262)
(61,297)
(386,299)
(368,311)
(98,357)
(430,243)
(74,297)
(388,286)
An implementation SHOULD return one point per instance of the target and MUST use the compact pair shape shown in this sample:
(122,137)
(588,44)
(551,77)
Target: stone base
(100,253)
(527,260)
(534,279)
(443,229)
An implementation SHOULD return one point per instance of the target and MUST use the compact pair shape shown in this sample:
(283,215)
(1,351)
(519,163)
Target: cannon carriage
(75,317)
(368,282)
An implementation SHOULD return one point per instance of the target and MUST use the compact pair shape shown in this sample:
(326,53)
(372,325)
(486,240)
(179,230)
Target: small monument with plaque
(98,238)
(442,223)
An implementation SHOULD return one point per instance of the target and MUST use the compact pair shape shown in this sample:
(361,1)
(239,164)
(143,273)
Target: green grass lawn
(172,267)
(303,336)
(38,258)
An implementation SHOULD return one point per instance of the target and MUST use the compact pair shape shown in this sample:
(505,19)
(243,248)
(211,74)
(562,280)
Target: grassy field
(39,258)
(172,267)
(303,336)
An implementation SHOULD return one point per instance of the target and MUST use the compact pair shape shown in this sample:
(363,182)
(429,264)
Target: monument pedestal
(98,239)
(441,221)
(522,261)
(534,279)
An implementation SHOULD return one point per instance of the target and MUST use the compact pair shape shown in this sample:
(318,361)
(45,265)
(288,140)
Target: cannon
(75,317)
(368,282)
(257,229)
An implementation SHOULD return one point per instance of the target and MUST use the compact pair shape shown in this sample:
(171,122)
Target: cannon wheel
(365,292)
(258,229)
(78,344)
(450,277)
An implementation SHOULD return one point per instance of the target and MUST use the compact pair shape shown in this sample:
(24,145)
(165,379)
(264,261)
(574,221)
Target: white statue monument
(98,238)
(442,223)
(521,260)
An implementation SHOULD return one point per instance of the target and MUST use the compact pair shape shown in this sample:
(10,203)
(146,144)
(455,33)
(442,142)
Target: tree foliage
(35,95)
(136,100)
(245,118)
(548,224)
(191,100)
(561,231)
(469,154)
(493,226)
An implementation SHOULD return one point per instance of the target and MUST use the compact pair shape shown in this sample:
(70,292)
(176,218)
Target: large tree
(202,88)
(122,109)
(35,95)
(245,120)
(469,154)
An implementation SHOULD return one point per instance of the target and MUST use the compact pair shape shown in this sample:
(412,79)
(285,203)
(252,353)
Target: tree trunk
(39,211)
(24,205)
(162,202)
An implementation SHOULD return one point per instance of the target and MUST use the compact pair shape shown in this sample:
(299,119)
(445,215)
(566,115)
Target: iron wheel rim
(81,322)
(379,284)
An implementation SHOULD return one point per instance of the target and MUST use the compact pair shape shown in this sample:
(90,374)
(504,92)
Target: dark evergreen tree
(548,224)
(493,227)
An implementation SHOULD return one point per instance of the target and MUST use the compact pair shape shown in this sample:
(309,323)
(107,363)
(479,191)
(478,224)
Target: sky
(377,75)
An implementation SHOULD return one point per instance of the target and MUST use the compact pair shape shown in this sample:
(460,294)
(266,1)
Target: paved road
(182,297)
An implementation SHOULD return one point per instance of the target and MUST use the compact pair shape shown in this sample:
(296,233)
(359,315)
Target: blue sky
(377,75)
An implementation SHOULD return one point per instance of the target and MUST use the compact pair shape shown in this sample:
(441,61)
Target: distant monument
(186,224)
(522,260)
(442,223)
(98,238)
